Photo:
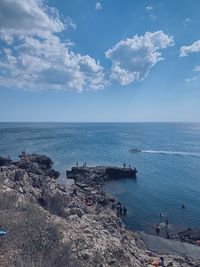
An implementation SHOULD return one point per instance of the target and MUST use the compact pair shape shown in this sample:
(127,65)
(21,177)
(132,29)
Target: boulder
(37,164)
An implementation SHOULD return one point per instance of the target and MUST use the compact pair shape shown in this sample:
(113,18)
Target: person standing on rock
(183,206)
(113,206)
(162,263)
(157,229)
(75,192)
(161,217)
(119,209)
(167,234)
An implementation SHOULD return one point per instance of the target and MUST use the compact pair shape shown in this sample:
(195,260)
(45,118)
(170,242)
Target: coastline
(88,232)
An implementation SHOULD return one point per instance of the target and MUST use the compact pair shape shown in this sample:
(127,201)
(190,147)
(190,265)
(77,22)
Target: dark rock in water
(99,174)
(118,173)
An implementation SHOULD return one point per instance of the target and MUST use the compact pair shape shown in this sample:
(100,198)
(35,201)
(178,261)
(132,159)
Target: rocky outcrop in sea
(48,224)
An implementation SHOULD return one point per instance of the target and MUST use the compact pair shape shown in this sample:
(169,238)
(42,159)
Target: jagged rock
(37,164)
(42,160)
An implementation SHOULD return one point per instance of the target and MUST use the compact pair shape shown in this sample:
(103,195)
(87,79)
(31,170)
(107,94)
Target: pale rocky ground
(49,226)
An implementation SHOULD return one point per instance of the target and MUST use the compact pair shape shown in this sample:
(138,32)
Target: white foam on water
(165,152)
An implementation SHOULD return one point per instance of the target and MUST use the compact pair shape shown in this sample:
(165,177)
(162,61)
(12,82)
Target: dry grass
(32,239)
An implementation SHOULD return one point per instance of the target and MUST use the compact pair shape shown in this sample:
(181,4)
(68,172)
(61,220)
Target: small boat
(134,150)
(2,232)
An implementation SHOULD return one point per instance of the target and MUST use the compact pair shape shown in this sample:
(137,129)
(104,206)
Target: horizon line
(99,121)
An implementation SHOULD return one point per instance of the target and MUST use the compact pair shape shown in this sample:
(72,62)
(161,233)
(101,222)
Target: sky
(99,61)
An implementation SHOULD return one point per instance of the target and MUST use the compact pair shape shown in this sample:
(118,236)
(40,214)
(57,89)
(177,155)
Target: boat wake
(177,153)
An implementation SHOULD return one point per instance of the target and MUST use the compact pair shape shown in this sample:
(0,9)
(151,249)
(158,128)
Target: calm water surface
(168,166)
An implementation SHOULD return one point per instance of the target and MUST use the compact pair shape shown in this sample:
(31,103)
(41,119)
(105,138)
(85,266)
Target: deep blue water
(168,166)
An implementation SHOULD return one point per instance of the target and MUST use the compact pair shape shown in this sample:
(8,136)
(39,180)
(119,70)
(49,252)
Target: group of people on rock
(166,222)
(124,165)
(161,262)
(84,165)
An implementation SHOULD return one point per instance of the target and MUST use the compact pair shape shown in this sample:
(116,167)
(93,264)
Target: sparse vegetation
(32,239)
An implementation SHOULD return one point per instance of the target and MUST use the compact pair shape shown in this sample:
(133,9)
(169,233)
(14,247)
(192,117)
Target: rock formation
(100,174)
(48,224)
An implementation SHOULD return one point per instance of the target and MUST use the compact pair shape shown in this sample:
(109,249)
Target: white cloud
(49,64)
(196,68)
(187,20)
(34,57)
(133,58)
(98,6)
(148,8)
(191,79)
(153,17)
(21,18)
(70,23)
(193,48)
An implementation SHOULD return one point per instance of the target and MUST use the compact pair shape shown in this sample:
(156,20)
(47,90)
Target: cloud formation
(186,22)
(191,79)
(185,51)
(98,6)
(148,8)
(34,56)
(22,18)
(133,58)
(150,11)
(188,49)
(196,68)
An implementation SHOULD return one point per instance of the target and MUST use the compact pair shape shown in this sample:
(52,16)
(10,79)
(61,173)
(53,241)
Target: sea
(168,163)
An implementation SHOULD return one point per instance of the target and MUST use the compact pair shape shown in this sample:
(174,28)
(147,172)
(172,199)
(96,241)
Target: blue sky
(99,60)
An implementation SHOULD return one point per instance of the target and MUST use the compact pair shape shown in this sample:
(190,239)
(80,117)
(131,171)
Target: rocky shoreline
(48,224)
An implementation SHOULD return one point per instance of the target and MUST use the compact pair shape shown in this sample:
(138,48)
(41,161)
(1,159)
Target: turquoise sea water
(168,166)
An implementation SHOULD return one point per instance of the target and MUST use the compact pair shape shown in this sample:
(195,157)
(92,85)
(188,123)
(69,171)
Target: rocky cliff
(48,224)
